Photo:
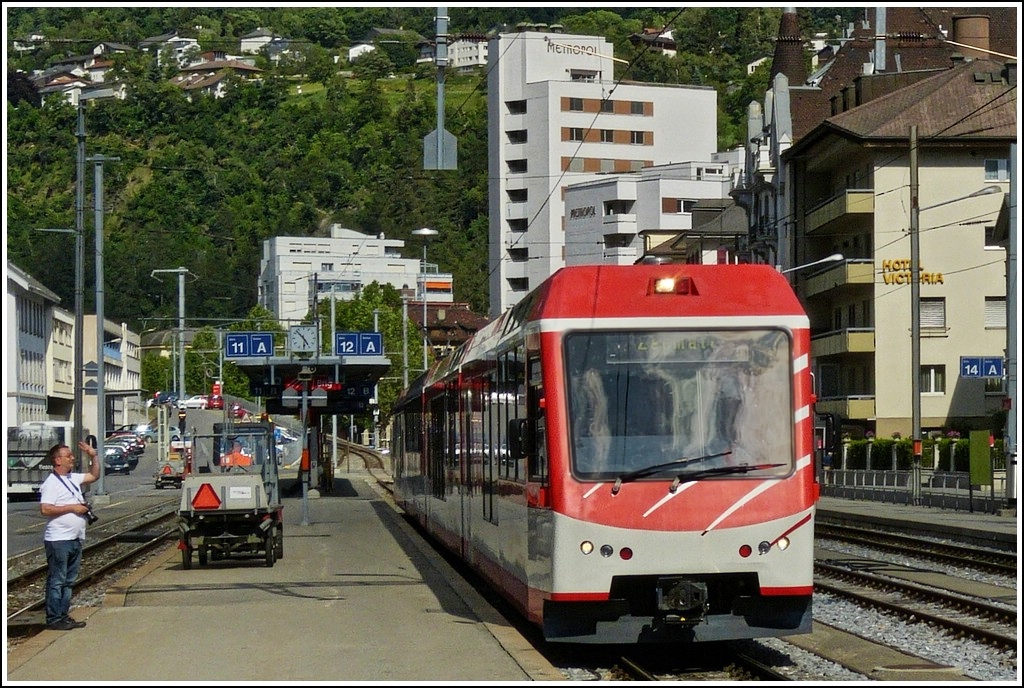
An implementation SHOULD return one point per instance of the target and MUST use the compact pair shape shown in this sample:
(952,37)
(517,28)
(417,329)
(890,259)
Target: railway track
(976,558)
(956,614)
(112,549)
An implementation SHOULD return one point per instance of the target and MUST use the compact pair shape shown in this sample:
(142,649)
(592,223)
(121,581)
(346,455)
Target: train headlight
(782,543)
(586,546)
(607,551)
(764,547)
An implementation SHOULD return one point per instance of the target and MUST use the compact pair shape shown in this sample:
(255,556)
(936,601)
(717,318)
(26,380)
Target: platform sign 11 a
(248,344)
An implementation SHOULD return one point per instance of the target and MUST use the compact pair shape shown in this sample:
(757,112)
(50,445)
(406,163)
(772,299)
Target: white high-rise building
(557,116)
(294,269)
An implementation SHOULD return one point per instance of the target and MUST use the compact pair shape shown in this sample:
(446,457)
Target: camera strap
(77,492)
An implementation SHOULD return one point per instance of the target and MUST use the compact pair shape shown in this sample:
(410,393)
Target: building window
(994,386)
(607,165)
(837,319)
(607,105)
(575,133)
(997,170)
(516,136)
(995,312)
(607,136)
(851,315)
(677,205)
(933,379)
(327,267)
(575,105)
(574,165)
(517,166)
(636,107)
(933,313)
(582,75)
(636,137)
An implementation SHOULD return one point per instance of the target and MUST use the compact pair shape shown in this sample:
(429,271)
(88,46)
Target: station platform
(999,531)
(358,596)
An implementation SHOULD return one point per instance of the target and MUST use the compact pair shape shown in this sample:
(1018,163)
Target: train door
(537,459)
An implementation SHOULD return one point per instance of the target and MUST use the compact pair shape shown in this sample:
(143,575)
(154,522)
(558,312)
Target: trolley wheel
(279,544)
(159,485)
(203,556)
(268,548)
(186,558)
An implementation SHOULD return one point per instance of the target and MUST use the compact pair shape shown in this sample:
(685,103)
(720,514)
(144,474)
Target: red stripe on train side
(796,591)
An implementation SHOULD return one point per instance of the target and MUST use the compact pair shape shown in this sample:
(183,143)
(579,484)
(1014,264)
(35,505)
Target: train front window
(638,399)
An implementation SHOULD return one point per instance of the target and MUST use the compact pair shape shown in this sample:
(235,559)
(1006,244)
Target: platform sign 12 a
(358,344)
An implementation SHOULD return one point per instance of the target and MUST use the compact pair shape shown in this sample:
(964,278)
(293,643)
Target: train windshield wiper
(720,470)
(658,467)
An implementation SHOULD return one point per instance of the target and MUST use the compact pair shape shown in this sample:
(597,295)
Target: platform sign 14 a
(358,344)
(981,366)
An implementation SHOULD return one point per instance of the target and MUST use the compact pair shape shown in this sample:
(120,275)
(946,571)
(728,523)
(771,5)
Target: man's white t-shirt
(59,491)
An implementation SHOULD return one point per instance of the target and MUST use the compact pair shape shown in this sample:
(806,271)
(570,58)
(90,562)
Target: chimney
(879,40)
(789,50)
(971,30)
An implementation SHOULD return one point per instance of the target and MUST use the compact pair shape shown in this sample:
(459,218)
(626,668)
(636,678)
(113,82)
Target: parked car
(115,460)
(161,398)
(215,401)
(132,442)
(144,430)
(196,401)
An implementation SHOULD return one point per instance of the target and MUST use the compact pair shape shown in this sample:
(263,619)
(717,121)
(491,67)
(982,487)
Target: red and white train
(627,454)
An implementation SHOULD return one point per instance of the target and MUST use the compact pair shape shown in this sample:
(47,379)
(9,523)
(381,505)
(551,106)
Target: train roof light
(672,285)
(664,285)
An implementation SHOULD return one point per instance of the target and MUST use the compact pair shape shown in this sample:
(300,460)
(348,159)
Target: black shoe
(62,625)
(74,624)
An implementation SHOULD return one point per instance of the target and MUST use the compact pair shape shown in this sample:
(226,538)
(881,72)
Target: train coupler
(682,601)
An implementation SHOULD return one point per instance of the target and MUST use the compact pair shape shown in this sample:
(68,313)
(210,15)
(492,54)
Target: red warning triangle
(167,469)
(206,498)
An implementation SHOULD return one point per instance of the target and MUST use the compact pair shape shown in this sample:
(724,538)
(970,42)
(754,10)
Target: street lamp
(835,257)
(427,233)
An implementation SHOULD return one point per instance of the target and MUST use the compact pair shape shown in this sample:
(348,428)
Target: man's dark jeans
(63,557)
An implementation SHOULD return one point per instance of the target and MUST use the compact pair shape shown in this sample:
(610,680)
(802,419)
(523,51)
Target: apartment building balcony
(516,210)
(515,269)
(515,151)
(854,407)
(625,255)
(621,223)
(856,271)
(513,122)
(842,212)
(849,341)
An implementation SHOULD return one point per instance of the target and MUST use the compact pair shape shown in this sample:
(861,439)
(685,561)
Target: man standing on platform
(62,502)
